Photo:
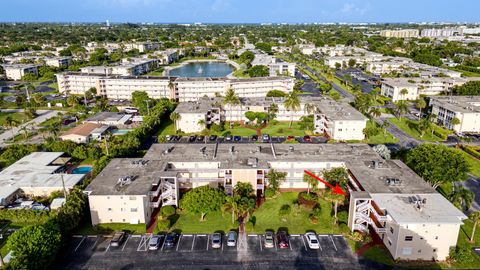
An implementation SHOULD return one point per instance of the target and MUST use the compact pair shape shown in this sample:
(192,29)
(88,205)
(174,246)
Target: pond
(210,69)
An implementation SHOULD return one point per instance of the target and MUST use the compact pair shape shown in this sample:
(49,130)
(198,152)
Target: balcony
(377,227)
(155,202)
(154,191)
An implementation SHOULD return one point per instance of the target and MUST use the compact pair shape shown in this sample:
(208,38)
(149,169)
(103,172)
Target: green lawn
(474,163)
(379,254)
(410,127)
(381,138)
(298,221)
(108,228)
(283,129)
(156,72)
(20,117)
(190,223)
(166,128)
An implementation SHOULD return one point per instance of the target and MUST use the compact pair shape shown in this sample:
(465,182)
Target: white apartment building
(360,59)
(182,89)
(465,108)
(412,219)
(408,66)
(336,120)
(166,57)
(142,46)
(275,66)
(441,32)
(135,67)
(404,33)
(392,87)
(58,61)
(17,71)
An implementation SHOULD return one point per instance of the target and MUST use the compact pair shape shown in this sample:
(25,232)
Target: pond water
(202,69)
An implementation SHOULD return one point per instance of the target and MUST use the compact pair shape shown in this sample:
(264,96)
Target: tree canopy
(258,71)
(202,200)
(471,88)
(437,164)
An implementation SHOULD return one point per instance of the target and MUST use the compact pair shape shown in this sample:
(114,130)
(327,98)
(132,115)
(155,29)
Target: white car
(154,242)
(312,240)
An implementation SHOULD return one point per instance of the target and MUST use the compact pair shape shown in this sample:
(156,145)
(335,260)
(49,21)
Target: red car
(307,138)
(290,138)
(282,239)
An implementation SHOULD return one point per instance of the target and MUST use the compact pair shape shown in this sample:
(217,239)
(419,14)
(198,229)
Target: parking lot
(193,250)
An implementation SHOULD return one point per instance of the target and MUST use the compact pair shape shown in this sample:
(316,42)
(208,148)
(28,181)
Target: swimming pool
(120,131)
(82,170)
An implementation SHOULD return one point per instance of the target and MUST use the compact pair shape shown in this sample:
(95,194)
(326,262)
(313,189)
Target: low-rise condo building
(17,71)
(403,33)
(128,67)
(386,198)
(464,108)
(59,61)
(337,120)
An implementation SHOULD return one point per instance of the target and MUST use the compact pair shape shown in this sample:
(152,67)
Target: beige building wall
(132,209)
(429,241)
(245,176)
(189,122)
(393,92)
(469,122)
(74,138)
(348,130)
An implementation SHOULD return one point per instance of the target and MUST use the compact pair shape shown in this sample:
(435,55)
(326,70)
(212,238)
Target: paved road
(43,115)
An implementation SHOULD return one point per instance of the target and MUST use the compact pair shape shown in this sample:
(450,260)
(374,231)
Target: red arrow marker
(335,189)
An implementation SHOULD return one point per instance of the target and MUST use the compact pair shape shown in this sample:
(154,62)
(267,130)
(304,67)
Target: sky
(240,11)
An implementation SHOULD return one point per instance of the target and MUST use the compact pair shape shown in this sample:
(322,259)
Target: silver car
(231,239)
(312,240)
(154,242)
(216,240)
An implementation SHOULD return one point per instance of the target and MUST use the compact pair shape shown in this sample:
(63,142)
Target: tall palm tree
(401,107)
(24,129)
(424,125)
(310,108)
(375,112)
(475,217)
(385,125)
(272,111)
(462,198)
(232,204)
(202,123)
(455,121)
(174,116)
(403,92)
(420,104)
(231,99)
(292,102)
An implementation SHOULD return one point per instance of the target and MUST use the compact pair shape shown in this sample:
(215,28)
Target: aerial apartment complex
(337,120)
(386,197)
(182,89)
(464,108)
(17,71)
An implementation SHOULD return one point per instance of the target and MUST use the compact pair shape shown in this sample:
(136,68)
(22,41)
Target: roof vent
(393,182)
(291,148)
(252,161)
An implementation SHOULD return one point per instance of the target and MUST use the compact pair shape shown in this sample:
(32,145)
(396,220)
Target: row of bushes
(471,150)
(25,216)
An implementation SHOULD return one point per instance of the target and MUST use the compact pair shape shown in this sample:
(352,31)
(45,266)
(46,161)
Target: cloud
(347,7)
(352,8)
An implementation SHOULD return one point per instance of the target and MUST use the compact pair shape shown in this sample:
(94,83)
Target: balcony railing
(378,229)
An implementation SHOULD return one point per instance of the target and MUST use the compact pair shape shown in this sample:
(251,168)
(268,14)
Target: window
(408,238)
(434,250)
(436,237)
(132,198)
(389,242)
(407,251)
(109,209)
(391,229)
(133,209)
(419,251)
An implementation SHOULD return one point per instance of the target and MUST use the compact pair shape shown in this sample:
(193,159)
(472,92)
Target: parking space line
(260,240)
(92,236)
(193,243)
(178,243)
(187,235)
(303,240)
(275,243)
(289,244)
(79,244)
(95,244)
(75,236)
(126,241)
(201,235)
(208,240)
(295,235)
(253,235)
(335,246)
(108,247)
(163,244)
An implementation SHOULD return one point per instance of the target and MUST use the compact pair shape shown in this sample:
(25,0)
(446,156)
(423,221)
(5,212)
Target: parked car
(291,138)
(117,239)
(231,238)
(254,138)
(269,241)
(307,138)
(154,242)
(228,138)
(237,138)
(201,138)
(216,240)
(312,240)
(213,138)
(282,239)
(266,138)
(170,240)
(192,138)
(177,138)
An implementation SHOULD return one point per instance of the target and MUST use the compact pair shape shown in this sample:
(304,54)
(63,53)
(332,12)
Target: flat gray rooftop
(463,104)
(143,175)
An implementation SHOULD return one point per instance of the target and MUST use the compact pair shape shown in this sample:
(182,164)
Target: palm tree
(375,112)
(272,111)
(401,107)
(202,123)
(232,204)
(24,128)
(424,125)
(310,108)
(311,181)
(336,199)
(231,99)
(174,116)
(403,92)
(11,123)
(385,125)
(455,121)
(462,198)
(420,104)
(475,217)
(292,102)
